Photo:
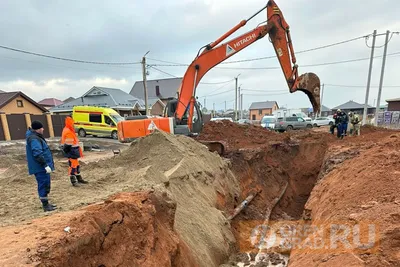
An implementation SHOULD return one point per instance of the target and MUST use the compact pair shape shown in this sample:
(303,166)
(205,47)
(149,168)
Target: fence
(14,126)
(389,119)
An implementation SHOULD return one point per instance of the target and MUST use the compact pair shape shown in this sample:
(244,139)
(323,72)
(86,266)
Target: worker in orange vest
(72,151)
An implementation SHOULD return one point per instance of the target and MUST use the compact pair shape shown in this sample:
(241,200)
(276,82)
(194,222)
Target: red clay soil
(353,180)
(129,229)
(237,136)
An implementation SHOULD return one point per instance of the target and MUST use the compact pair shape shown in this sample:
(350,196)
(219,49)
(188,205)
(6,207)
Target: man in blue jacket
(40,162)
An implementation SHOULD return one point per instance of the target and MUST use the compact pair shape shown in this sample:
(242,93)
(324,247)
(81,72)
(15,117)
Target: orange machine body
(131,129)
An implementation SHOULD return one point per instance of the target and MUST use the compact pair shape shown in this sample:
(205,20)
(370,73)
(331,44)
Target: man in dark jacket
(40,162)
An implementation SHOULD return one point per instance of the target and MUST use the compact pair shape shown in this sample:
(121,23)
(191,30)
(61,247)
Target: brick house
(260,109)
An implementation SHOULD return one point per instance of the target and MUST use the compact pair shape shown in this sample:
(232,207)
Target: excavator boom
(215,53)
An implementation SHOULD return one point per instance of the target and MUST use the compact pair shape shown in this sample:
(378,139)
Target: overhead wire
(67,59)
(305,65)
(213,83)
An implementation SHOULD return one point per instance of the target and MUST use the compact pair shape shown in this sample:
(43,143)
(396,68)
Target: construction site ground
(165,201)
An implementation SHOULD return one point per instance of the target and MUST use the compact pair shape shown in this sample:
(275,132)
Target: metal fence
(389,119)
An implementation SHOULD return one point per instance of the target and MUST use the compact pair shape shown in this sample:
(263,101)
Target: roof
(152,101)
(263,105)
(351,105)
(6,98)
(102,96)
(325,108)
(2,91)
(50,102)
(393,100)
(168,88)
(69,99)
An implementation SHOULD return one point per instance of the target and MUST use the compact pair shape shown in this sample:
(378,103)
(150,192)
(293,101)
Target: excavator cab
(181,126)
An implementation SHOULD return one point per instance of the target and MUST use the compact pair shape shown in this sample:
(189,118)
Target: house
(260,109)
(393,104)
(325,111)
(163,89)
(19,103)
(120,101)
(354,107)
(48,103)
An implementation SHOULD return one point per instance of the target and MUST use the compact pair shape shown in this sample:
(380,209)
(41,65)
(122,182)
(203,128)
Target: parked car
(268,122)
(244,121)
(291,123)
(323,121)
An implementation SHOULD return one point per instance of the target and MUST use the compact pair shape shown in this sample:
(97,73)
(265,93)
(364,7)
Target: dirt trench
(284,174)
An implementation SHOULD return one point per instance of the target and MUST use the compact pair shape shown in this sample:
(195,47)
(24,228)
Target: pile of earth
(197,181)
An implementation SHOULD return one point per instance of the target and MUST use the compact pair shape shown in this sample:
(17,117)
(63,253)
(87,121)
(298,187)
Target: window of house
(253,117)
(20,104)
(260,112)
(95,118)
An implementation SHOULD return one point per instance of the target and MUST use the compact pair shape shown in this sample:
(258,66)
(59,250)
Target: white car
(323,121)
(268,122)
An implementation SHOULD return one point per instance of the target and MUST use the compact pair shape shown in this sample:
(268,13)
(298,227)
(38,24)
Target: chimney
(157,91)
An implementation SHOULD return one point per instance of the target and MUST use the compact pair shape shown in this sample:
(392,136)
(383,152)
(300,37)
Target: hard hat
(339,110)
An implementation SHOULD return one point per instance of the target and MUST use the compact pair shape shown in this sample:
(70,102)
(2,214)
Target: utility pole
(225,105)
(381,81)
(241,106)
(236,96)
(145,84)
(205,102)
(365,114)
(214,109)
(322,98)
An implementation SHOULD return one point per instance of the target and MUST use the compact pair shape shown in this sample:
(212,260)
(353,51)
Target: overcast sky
(124,30)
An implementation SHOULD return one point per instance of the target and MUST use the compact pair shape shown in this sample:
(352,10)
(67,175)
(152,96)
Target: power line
(223,82)
(306,65)
(67,59)
(270,57)
(68,67)
(169,74)
(255,90)
(391,36)
(359,86)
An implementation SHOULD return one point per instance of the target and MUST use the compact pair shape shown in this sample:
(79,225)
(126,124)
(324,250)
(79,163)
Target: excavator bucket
(309,83)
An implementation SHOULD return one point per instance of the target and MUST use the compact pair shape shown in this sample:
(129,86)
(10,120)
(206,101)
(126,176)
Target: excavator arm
(215,53)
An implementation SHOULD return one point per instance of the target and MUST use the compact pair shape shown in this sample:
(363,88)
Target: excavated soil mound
(198,181)
(360,188)
(129,229)
(237,136)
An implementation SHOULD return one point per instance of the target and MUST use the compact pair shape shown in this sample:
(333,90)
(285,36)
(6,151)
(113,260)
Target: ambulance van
(96,121)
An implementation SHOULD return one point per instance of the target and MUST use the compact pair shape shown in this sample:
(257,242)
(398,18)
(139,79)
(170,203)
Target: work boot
(80,179)
(49,207)
(74,181)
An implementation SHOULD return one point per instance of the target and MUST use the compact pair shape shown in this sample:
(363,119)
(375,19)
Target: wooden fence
(14,126)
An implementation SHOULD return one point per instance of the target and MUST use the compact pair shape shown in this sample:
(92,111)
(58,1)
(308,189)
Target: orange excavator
(183,115)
